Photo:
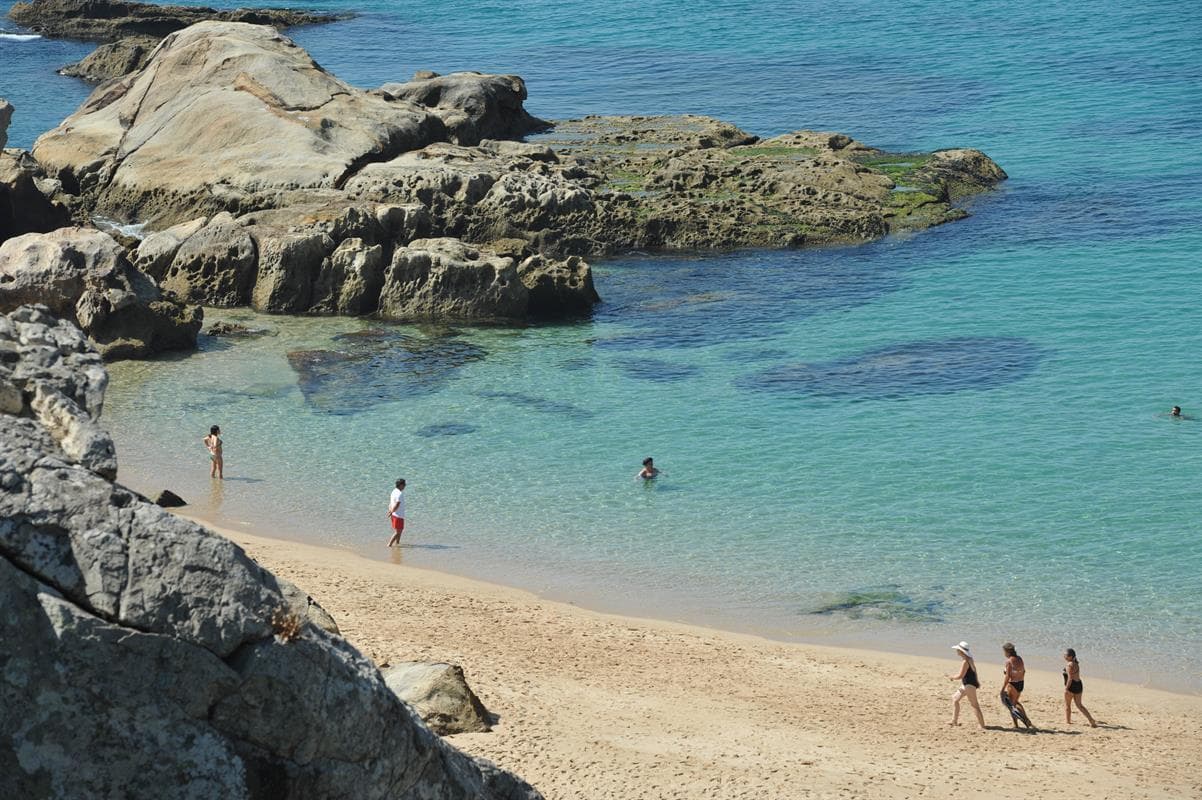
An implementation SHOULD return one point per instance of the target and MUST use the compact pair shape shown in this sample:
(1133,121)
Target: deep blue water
(952,435)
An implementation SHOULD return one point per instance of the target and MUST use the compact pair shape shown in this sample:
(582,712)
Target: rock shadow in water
(940,366)
(445,429)
(540,404)
(379,365)
(657,370)
(885,603)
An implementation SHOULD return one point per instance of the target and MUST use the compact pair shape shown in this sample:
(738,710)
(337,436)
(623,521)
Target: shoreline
(604,705)
(865,641)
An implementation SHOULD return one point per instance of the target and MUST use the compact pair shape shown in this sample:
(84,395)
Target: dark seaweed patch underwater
(377,366)
(937,366)
(886,603)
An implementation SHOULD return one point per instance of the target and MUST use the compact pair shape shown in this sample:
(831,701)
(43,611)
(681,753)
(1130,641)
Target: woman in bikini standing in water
(1073,688)
(1015,672)
(969,683)
(216,462)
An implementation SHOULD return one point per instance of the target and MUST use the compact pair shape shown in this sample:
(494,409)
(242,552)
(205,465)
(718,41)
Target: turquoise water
(953,435)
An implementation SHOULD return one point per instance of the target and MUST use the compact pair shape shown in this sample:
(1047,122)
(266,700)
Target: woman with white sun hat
(969,683)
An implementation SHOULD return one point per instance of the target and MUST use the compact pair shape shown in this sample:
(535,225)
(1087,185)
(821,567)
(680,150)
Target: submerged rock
(939,366)
(143,656)
(83,274)
(379,366)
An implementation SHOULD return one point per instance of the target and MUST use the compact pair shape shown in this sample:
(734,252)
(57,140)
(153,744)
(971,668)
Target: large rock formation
(83,274)
(142,656)
(235,124)
(108,20)
(226,116)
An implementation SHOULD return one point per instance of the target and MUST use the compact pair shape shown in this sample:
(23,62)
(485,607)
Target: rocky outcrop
(143,656)
(83,274)
(472,106)
(6,115)
(226,116)
(113,60)
(310,188)
(440,695)
(24,206)
(109,20)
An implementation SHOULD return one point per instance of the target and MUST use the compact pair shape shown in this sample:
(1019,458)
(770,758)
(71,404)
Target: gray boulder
(473,106)
(49,371)
(440,695)
(6,115)
(83,274)
(143,656)
(113,60)
(447,279)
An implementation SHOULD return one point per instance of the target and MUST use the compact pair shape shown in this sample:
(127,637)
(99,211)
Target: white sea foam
(19,37)
(134,229)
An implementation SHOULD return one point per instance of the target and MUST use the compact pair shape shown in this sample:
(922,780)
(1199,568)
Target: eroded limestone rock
(83,274)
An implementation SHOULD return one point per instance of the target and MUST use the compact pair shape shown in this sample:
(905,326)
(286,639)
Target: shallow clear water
(953,435)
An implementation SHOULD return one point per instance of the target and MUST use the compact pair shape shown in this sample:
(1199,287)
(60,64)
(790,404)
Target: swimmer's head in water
(648,461)
(1176,411)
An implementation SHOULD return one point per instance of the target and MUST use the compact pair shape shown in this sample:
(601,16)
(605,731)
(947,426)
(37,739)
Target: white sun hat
(963,648)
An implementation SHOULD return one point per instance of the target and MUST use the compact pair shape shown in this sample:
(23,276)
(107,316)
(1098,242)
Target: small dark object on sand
(169,499)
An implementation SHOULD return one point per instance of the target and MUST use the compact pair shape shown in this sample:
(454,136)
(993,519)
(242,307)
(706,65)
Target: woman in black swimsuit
(969,683)
(1073,688)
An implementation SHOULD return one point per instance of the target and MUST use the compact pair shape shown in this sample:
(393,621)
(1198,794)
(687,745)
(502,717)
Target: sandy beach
(594,705)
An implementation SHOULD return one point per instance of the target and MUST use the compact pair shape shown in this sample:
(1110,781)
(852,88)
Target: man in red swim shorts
(396,512)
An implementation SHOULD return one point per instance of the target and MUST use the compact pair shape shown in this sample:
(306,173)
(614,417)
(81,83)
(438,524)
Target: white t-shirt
(397,497)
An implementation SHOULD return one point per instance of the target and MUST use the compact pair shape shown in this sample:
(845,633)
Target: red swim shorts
(398,523)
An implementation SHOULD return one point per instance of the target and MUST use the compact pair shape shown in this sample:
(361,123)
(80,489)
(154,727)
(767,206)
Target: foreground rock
(108,20)
(143,656)
(83,274)
(440,695)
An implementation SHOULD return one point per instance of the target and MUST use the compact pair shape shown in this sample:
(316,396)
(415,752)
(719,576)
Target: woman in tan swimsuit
(213,445)
(1015,673)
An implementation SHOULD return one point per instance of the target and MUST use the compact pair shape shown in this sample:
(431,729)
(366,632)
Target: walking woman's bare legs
(971,693)
(1069,699)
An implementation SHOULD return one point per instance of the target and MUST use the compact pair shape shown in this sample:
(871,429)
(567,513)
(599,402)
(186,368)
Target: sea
(956,434)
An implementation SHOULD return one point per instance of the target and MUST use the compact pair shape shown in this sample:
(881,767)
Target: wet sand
(593,705)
